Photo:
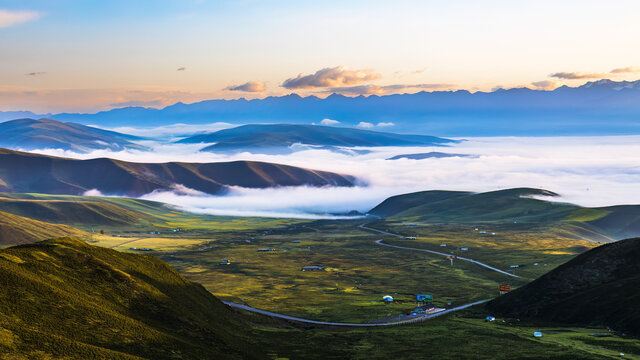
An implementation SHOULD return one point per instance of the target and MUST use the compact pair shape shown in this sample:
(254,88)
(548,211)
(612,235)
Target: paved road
(307,321)
(379,242)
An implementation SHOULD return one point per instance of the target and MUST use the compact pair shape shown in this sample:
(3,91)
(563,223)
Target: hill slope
(30,134)
(26,172)
(16,230)
(63,298)
(72,211)
(506,206)
(599,287)
(278,138)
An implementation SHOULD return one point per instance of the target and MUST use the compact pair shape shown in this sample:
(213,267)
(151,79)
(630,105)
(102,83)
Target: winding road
(379,242)
(307,321)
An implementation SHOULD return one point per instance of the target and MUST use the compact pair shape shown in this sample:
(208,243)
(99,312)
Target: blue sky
(64,55)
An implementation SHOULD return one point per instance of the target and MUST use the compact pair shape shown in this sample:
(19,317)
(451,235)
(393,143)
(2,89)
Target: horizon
(154,54)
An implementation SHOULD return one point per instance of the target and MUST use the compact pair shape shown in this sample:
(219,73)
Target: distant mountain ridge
(278,138)
(30,134)
(27,172)
(602,107)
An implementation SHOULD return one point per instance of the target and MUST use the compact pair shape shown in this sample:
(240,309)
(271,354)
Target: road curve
(307,321)
(379,242)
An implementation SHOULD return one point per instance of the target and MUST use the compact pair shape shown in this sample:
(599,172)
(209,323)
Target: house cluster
(312,268)
(140,249)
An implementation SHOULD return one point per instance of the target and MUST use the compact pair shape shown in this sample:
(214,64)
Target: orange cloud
(330,77)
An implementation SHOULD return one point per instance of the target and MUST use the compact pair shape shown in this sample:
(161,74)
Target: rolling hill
(65,299)
(26,172)
(16,230)
(597,288)
(506,206)
(72,212)
(278,138)
(30,134)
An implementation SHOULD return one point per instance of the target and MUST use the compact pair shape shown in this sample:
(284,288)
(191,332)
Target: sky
(589,171)
(87,56)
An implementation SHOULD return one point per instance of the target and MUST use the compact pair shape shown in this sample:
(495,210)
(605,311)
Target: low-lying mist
(589,171)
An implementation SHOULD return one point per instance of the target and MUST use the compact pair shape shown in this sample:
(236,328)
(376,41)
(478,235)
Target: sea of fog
(589,171)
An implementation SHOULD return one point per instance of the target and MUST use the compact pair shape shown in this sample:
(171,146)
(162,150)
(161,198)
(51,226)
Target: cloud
(170,131)
(182,68)
(251,86)
(368,125)
(330,77)
(36,73)
(626,70)
(92,192)
(591,171)
(141,103)
(545,85)
(364,124)
(329,122)
(578,75)
(10,18)
(385,124)
(371,89)
(419,71)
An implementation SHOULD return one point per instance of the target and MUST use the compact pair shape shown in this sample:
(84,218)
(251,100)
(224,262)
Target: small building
(443,244)
(514,266)
(482,232)
(312,268)
(387,298)
(464,249)
(266,250)
(410,237)
(490,318)
(225,262)
(537,333)
(132,248)
(296,241)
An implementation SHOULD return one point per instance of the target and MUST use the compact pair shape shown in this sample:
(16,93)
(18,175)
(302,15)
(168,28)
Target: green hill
(21,230)
(65,299)
(86,212)
(32,173)
(277,138)
(30,134)
(523,205)
(600,287)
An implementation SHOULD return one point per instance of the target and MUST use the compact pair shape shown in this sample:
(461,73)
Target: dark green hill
(507,206)
(600,287)
(276,138)
(65,299)
(30,134)
(31,173)
(16,229)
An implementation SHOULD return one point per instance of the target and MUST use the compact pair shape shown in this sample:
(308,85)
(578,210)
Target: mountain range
(279,138)
(30,134)
(602,107)
(27,172)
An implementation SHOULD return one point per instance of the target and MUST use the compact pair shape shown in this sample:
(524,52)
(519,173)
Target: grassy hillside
(20,230)
(77,211)
(599,287)
(30,134)
(521,205)
(256,137)
(65,299)
(26,172)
